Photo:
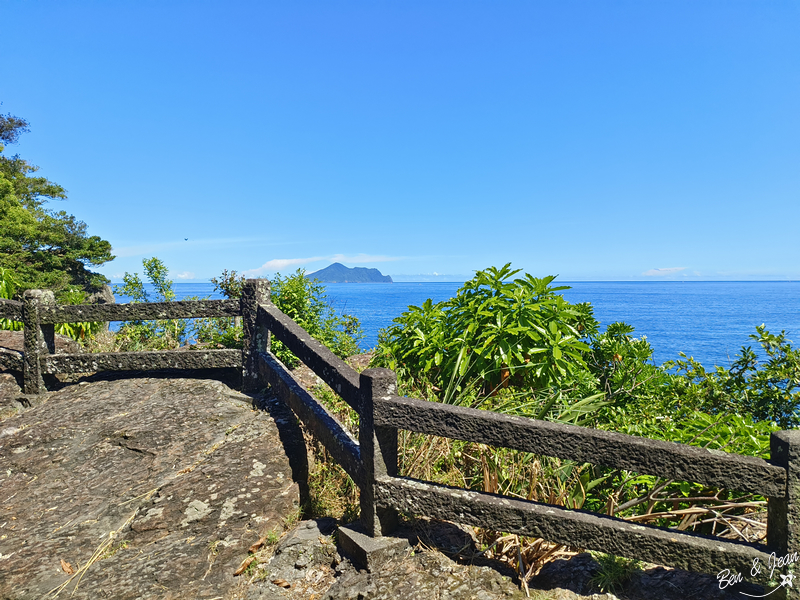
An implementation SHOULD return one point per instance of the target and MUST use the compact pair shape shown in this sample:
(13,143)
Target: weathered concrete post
(378,450)
(254,338)
(39,339)
(783,514)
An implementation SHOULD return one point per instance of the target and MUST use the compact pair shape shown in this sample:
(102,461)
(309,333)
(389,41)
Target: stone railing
(39,313)
(371,461)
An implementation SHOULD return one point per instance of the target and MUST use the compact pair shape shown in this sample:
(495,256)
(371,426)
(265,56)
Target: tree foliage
(304,300)
(155,334)
(44,248)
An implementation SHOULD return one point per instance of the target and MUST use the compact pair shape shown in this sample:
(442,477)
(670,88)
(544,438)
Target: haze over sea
(709,320)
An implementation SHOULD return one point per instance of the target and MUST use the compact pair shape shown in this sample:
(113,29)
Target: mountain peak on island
(338,273)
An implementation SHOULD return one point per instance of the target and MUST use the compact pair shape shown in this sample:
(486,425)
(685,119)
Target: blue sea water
(707,320)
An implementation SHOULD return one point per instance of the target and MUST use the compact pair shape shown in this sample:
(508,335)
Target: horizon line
(195,281)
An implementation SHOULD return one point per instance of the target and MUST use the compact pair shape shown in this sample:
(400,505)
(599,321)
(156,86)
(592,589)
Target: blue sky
(614,140)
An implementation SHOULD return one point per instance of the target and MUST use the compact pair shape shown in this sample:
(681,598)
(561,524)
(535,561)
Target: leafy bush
(223,332)
(300,298)
(8,287)
(495,333)
(514,345)
(304,300)
(81,331)
(156,334)
(768,392)
(77,331)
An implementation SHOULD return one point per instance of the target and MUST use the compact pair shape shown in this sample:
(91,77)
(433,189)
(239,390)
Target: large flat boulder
(136,489)
(14,341)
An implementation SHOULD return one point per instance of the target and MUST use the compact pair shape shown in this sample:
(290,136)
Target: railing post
(378,447)
(254,338)
(783,514)
(39,339)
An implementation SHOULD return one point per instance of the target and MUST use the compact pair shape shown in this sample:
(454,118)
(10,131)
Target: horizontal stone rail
(10,309)
(372,463)
(141,361)
(583,444)
(574,528)
(343,448)
(329,367)
(140,311)
(39,314)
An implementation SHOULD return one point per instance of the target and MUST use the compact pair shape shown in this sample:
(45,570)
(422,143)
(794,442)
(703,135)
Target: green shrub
(769,391)
(300,298)
(496,333)
(223,332)
(304,300)
(514,345)
(77,331)
(150,334)
(8,287)
(80,331)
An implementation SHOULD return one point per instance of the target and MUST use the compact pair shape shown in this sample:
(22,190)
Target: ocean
(707,320)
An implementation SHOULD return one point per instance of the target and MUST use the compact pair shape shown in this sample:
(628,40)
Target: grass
(111,551)
(615,572)
(449,462)
(104,550)
(272,537)
(332,492)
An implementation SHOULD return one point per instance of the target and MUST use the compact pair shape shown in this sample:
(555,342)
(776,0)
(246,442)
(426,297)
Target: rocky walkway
(137,488)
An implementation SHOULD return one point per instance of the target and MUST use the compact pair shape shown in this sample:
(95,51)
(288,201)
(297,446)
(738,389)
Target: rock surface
(137,488)
(14,341)
(10,396)
(306,564)
(105,295)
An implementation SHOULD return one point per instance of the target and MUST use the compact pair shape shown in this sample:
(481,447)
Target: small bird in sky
(185,239)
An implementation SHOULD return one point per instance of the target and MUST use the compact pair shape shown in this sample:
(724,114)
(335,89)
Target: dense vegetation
(301,298)
(515,345)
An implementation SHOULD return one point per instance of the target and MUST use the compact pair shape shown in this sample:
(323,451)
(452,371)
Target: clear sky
(610,140)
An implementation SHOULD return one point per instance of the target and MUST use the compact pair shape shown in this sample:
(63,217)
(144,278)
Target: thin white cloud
(278,264)
(151,249)
(184,275)
(662,272)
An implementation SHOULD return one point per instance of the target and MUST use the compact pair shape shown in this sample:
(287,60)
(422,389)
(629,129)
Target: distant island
(338,273)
